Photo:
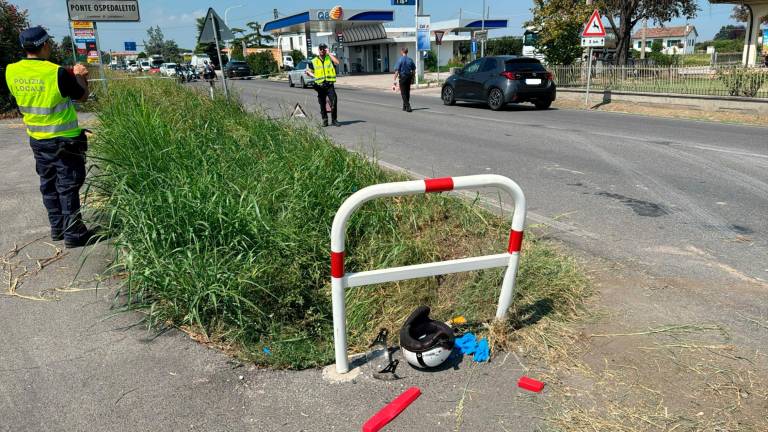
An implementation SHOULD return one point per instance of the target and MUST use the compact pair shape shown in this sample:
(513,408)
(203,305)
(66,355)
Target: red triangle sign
(594,26)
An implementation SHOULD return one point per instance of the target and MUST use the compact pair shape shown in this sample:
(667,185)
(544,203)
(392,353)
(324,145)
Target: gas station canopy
(469,25)
(328,20)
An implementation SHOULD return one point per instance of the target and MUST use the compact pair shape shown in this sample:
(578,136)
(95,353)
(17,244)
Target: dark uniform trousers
(60,163)
(327,90)
(405,89)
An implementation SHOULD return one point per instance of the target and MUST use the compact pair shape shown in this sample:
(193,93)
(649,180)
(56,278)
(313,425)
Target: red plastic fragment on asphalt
(438,184)
(530,384)
(391,410)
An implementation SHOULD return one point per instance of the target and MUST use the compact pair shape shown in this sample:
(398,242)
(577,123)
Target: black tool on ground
(379,358)
(381,338)
(388,373)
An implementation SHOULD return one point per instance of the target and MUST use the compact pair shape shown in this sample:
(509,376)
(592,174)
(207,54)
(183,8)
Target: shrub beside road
(221,220)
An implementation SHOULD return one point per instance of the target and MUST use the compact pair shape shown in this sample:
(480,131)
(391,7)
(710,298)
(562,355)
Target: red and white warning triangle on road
(594,26)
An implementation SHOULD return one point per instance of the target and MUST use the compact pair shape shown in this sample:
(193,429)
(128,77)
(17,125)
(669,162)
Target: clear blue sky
(177,17)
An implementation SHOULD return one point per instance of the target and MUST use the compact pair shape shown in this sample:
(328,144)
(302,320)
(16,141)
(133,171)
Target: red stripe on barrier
(515,241)
(439,184)
(337,264)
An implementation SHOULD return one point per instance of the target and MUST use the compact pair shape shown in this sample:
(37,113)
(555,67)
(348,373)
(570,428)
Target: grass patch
(221,219)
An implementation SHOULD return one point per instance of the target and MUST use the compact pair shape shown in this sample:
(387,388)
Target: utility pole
(482,43)
(643,44)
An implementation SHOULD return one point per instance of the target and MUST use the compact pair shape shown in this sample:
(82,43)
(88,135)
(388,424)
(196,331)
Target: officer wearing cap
(323,69)
(44,93)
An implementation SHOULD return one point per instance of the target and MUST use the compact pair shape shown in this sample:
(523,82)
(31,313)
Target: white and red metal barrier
(341,281)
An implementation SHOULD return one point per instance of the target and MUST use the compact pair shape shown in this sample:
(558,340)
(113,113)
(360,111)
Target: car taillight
(510,75)
(550,76)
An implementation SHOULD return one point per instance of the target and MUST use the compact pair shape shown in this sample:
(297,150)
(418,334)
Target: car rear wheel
(303,84)
(448,96)
(290,81)
(495,99)
(542,105)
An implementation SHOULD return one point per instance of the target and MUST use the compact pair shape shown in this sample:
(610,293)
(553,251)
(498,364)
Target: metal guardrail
(684,80)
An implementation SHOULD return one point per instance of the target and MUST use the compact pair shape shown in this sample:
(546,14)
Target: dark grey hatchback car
(500,80)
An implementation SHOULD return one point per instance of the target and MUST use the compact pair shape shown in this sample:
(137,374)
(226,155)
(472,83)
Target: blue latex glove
(483,351)
(467,344)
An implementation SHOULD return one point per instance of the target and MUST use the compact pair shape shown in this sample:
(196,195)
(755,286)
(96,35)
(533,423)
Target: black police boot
(57,235)
(90,237)
(336,123)
(408,109)
(325,122)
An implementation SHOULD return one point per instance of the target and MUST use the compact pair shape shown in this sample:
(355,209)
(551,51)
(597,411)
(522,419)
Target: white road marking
(489,203)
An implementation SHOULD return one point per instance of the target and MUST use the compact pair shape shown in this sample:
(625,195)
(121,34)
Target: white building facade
(674,40)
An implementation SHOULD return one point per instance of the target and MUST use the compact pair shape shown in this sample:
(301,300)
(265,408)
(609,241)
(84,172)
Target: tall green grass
(221,219)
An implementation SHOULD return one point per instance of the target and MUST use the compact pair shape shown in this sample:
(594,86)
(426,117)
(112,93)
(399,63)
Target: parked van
(198,61)
(145,65)
(287,62)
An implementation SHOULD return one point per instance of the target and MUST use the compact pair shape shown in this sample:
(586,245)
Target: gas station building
(363,41)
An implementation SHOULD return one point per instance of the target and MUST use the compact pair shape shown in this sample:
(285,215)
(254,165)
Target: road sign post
(438,41)
(592,36)
(213,30)
(416,38)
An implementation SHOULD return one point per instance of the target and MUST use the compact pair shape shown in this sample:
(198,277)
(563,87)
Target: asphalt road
(682,198)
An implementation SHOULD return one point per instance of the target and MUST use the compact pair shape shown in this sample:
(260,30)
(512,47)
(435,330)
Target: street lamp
(226,11)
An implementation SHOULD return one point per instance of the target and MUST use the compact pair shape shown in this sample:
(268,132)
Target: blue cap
(33,37)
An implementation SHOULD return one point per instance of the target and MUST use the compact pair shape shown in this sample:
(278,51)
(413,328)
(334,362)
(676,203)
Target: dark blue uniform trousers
(60,163)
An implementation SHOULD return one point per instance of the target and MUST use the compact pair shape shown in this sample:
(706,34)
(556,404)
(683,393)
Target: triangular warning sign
(298,112)
(207,35)
(594,26)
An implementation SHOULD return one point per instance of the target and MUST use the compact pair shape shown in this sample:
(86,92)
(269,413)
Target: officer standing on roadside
(44,92)
(323,69)
(404,70)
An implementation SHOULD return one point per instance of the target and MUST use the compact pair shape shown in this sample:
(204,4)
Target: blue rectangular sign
(422,32)
(82,41)
(130,46)
(403,2)
(474,46)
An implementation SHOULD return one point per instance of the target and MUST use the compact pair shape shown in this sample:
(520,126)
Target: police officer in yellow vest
(323,69)
(44,92)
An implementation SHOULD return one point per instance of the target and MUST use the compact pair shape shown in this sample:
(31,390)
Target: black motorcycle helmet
(426,343)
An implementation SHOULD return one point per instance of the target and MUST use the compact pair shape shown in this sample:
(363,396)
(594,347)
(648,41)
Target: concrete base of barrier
(330,375)
(731,104)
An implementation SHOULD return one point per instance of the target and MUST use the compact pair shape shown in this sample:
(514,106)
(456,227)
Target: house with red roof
(674,40)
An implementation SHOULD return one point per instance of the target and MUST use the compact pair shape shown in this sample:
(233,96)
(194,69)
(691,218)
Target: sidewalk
(71,362)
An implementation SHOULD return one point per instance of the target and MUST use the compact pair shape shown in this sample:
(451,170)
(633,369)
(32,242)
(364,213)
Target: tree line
(560,23)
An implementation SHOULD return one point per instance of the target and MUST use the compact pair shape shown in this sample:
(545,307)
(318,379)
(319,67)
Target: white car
(168,69)
(298,76)
(133,67)
(145,65)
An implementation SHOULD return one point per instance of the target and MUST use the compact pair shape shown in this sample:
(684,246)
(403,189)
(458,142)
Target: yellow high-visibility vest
(324,70)
(47,114)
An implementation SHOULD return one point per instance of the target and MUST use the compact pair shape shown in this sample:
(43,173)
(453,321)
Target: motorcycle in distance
(187,74)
